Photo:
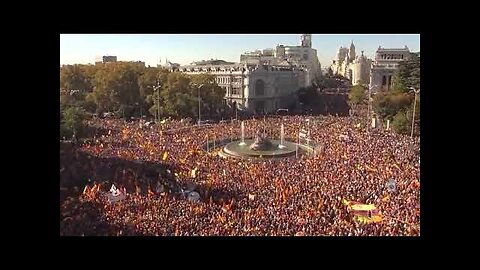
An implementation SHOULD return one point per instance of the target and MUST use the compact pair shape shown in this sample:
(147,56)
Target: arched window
(259,88)
(384,80)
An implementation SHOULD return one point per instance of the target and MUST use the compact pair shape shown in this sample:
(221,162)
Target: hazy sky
(186,48)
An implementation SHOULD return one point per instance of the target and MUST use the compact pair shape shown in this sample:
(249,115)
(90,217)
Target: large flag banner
(363,213)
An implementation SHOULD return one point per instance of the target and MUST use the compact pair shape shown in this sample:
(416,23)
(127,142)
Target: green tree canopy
(74,77)
(357,95)
(72,122)
(387,105)
(401,123)
(408,74)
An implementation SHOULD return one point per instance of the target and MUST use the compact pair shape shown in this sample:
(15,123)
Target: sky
(187,48)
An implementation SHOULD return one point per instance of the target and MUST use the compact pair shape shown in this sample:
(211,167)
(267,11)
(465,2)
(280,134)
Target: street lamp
(157,88)
(370,101)
(414,105)
(199,112)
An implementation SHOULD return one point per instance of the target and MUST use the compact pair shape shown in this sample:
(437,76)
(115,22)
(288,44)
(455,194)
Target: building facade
(302,56)
(386,62)
(253,87)
(263,80)
(352,66)
(109,59)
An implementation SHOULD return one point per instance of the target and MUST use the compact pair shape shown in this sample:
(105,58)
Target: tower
(306,40)
(351,52)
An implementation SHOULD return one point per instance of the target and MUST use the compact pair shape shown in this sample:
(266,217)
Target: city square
(271,146)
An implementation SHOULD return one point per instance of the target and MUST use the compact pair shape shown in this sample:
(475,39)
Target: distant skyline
(187,48)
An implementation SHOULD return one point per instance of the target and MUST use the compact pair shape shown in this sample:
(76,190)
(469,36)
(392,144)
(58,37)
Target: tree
(211,95)
(115,85)
(357,95)
(74,77)
(387,105)
(146,83)
(401,123)
(398,103)
(408,74)
(72,122)
(328,82)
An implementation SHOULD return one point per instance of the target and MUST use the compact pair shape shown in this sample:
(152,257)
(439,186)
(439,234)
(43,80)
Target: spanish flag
(365,213)
(396,166)
(86,190)
(194,172)
(95,188)
(165,156)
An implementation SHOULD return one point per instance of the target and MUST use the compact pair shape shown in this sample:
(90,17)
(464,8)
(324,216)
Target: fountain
(243,135)
(259,146)
(282,135)
(261,143)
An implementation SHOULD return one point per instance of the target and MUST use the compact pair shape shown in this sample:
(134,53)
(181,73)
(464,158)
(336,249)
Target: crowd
(271,197)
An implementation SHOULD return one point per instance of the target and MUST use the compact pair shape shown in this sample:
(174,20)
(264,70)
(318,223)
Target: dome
(361,59)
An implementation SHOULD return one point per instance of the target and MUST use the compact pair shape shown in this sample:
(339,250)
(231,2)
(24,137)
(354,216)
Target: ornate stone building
(349,65)
(264,80)
(302,56)
(254,87)
(386,62)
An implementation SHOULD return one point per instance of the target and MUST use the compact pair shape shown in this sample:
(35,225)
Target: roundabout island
(261,147)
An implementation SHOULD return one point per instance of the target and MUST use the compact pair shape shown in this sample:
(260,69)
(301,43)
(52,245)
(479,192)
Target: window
(259,88)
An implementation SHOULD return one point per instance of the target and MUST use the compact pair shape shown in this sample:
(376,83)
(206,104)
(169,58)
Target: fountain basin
(238,150)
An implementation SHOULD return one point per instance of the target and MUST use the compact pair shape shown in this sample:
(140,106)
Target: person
(283,189)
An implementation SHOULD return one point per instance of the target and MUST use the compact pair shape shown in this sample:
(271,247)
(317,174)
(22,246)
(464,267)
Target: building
(264,80)
(302,56)
(105,59)
(253,87)
(109,59)
(386,62)
(348,64)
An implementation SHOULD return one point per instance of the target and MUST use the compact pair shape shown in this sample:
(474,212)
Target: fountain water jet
(243,135)
(282,135)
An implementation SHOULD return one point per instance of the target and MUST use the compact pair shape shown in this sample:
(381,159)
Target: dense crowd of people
(240,197)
